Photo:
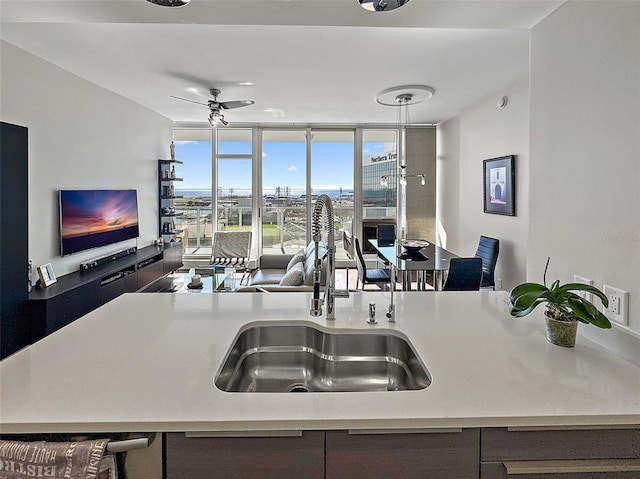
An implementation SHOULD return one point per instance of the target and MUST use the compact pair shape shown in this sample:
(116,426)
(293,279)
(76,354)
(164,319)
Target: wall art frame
(499,186)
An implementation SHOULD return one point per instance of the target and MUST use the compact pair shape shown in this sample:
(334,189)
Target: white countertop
(146,362)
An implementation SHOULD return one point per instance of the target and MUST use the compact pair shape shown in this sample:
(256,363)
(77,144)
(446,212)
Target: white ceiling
(309,61)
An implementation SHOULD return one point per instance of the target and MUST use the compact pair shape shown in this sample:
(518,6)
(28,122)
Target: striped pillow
(293,277)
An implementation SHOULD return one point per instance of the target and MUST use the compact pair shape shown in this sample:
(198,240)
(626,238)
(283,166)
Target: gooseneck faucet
(323,203)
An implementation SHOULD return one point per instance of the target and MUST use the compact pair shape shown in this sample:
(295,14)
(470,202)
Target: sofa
(287,272)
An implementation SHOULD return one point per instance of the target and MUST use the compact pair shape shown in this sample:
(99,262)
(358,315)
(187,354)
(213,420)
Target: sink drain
(297,388)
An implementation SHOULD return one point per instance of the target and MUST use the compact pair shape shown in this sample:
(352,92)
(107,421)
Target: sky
(284,164)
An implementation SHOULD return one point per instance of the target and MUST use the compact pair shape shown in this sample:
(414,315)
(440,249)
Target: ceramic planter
(561,333)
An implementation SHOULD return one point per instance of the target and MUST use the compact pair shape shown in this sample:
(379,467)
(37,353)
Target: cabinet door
(149,273)
(172,257)
(276,456)
(67,307)
(403,454)
(14,238)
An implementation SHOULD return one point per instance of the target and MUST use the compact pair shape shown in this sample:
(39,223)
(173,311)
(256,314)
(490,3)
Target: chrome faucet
(324,203)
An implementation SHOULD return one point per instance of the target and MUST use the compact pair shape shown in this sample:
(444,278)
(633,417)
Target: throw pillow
(293,277)
(297,258)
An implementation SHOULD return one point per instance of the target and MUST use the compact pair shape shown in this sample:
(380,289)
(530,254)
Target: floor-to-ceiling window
(284,191)
(332,160)
(379,181)
(234,183)
(194,208)
(286,169)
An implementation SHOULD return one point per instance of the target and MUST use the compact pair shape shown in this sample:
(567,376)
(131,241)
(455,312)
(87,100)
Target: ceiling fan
(215,116)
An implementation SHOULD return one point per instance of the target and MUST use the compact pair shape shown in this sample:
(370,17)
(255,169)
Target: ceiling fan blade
(191,101)
(227,105)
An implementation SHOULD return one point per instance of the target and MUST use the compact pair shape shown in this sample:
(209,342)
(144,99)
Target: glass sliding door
(194,208)
(234,184)
(332,160)
(284,191)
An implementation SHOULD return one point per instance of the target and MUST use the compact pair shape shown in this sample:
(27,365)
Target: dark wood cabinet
(14,326)
(327,455)
(172,256)
(406,454)
(466,453)
(274,456)
(76,294)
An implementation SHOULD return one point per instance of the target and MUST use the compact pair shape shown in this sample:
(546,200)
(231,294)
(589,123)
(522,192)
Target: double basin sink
(276,358)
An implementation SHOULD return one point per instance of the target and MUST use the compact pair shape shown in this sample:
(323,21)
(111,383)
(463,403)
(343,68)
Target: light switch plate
(583,294)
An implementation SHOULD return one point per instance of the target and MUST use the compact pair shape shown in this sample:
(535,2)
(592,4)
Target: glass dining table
(420,259)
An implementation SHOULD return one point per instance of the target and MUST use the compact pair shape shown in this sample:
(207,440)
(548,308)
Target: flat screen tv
(93,218)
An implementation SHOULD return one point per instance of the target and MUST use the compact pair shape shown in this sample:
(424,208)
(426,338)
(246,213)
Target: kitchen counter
(146,362)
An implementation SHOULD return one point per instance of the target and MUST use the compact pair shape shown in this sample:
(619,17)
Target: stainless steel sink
(280,358)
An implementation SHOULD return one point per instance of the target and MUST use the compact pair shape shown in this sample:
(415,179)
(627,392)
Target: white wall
(585,152)
(80,136)
(480,132)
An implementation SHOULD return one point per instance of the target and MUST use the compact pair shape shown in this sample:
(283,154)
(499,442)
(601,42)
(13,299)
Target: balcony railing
(284,227)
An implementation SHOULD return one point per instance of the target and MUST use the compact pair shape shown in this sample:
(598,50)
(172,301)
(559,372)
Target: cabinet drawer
(570,469)
(245,457)
(501,444)
(403,455)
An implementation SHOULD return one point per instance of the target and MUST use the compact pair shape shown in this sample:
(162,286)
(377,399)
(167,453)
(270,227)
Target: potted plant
(564,310)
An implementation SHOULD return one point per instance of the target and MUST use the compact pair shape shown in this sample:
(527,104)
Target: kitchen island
(147,363)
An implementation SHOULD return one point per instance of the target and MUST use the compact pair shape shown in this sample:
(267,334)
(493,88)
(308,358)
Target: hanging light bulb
(401,97)
(216,118)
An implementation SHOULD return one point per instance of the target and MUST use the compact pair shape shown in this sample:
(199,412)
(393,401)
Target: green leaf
(525,297)
(588,288)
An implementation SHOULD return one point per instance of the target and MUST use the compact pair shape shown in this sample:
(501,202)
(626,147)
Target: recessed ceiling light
(170,3)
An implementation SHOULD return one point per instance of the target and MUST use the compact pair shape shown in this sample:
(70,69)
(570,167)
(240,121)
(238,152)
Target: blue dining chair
(465,274)
(488,249)
(386,234)
(377,276)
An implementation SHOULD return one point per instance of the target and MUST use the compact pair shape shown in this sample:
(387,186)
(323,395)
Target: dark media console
(76,294)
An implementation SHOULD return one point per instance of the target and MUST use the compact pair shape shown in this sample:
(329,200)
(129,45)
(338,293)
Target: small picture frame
(46,274)
(499,183)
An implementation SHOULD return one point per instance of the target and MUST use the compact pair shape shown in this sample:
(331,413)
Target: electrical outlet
(618,309)
(583,280)
(499,283)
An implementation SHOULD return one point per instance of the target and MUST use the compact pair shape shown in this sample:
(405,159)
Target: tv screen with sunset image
(94,218)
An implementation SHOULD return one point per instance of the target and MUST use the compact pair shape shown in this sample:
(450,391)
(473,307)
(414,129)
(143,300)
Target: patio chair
(231,249)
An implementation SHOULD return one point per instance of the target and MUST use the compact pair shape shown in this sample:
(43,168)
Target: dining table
(415,257)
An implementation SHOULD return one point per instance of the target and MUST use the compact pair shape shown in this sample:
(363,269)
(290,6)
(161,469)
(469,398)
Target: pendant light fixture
(401,97)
